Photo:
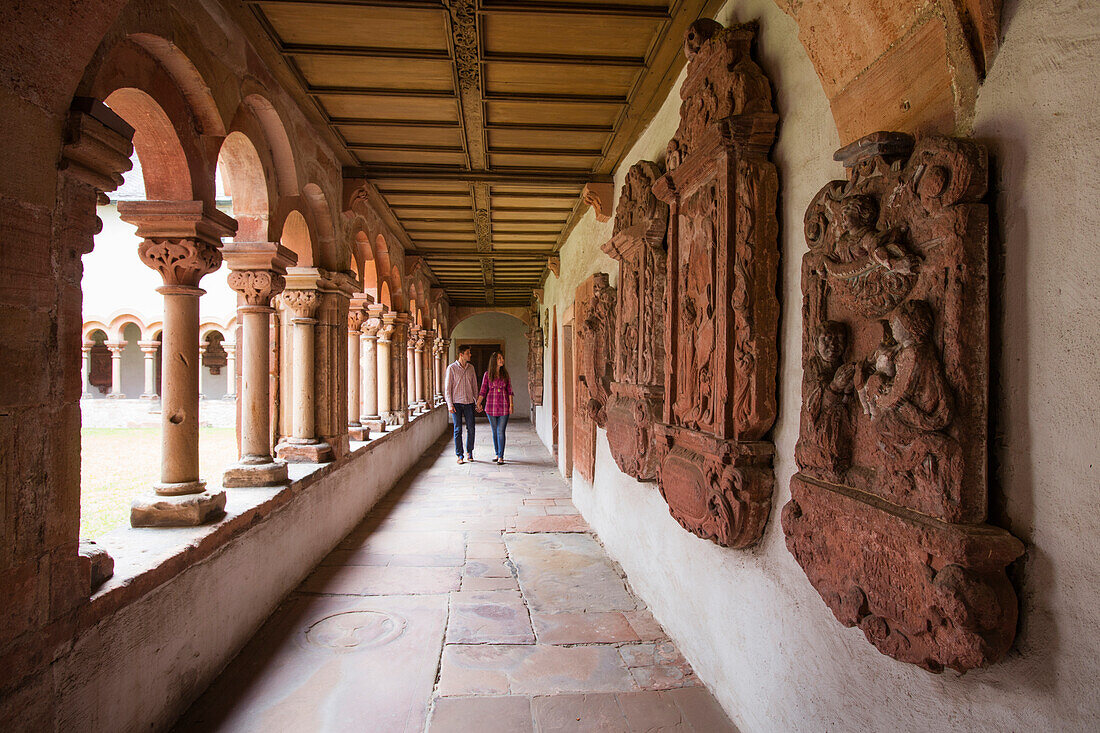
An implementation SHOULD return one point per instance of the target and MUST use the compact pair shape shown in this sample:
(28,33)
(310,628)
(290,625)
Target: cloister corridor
(471,598)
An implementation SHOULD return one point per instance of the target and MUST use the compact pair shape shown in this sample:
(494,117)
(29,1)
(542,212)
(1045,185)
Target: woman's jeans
(463,413)
(499,425)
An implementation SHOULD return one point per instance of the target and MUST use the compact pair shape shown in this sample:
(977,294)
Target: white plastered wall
(749,621)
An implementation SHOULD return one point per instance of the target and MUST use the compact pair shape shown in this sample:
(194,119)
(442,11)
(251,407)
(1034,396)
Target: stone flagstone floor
(472,598)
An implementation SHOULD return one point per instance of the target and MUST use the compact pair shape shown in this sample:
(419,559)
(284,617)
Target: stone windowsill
(147,557)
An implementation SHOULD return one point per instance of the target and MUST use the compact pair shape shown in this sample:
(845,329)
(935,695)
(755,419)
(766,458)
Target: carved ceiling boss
(638,242)
(714,466)
(887,512)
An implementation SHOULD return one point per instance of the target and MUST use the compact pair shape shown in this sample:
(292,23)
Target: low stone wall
(154,638)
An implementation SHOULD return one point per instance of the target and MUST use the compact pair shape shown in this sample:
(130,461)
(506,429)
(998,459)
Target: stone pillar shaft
(302,329)
(257,270)
(231,369)
(116,369)
(354,378)
(179,472)
(85,369)
(149,352)
(385,366)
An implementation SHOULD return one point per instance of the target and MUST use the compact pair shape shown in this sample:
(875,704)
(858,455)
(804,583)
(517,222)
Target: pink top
(496,393)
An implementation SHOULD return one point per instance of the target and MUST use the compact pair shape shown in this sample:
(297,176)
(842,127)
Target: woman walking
(496,399)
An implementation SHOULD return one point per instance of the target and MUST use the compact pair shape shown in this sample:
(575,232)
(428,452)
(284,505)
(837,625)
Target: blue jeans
(463,412)
(499,424)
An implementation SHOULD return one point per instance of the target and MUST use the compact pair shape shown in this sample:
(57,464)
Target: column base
(292,452)
(374,423)
(269,473)
(358,432)
(230,397)
(114,396)
(189,510)
(150,397)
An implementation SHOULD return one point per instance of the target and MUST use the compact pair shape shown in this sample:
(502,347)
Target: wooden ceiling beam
(657,12)
(347,91)
(410,4)
(366,52)
(535,176)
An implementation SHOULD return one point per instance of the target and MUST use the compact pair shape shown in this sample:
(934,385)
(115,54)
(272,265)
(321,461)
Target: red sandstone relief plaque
(594,318)
(887,512)
(534,365)
(714,465)
(637,394)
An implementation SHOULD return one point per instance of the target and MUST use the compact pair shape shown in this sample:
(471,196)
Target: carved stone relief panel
(714,464)
(637,394)
(888,508)
(534,365)
(594,334)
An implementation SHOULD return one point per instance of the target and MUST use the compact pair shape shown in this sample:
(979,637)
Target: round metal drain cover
(352,630)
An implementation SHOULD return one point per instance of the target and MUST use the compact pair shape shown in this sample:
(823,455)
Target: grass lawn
(119,463)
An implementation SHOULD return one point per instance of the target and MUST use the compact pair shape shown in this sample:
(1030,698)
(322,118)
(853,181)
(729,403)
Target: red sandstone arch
(152,85)
(384,296)
(295,236)
(322,229)
(239,162)
(397,292)
(282,154)
(164,164)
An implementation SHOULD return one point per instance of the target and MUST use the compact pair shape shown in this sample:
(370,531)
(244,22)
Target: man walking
(460,391)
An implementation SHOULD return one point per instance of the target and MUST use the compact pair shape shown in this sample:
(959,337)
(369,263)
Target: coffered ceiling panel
(480,121)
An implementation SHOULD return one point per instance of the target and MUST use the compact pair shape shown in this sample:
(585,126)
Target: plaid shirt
(496,392)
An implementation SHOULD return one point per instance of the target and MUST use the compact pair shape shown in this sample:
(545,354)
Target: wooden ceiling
(480,121)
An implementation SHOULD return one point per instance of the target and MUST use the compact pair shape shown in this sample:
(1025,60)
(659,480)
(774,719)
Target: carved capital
(385,332)
(371,327)
(257,286)
(355,320)
(554,265)
(180,261)
(302,303)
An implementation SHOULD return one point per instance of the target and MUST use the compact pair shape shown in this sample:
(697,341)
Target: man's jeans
(463,412)
(498,424)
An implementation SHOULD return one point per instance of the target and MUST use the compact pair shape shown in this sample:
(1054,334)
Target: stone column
(85,368)
(303,446)
(257,272)
(231,367)
(368,369)
(116,348)
(440,367)
(410,369)
(357,317)
(385,367)
(181,240)
(418,357)
(149,353)
(399,402)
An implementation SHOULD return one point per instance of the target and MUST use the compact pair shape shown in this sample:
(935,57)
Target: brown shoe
(460,460)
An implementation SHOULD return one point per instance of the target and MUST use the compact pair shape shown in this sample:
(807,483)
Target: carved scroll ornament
(594,318)
(641,220)
(888,508)
(722,313)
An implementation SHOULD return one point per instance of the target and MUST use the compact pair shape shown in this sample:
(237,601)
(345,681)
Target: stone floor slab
(481,714)
(531,670)
(489,622)
(326,664)
(567,572)
(595,713)
(583,628)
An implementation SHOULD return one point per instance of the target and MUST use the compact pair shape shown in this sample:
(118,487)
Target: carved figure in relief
(825,443)
(693,401)
(909,411)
